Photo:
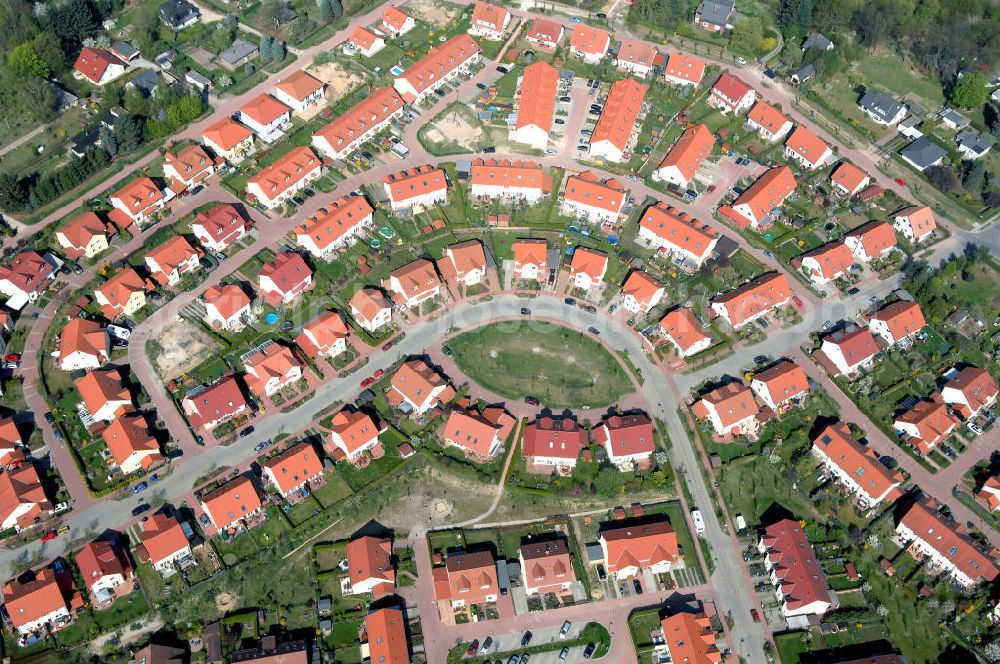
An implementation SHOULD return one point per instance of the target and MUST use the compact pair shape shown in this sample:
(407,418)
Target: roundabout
(559,366)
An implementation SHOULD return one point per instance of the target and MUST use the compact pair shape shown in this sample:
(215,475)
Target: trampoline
(271,318)
(386,232)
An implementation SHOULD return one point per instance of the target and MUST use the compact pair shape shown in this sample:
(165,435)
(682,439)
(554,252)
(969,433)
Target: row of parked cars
(488,643)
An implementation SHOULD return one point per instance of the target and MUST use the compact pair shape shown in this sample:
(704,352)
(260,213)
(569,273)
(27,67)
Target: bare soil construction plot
(433,12)
(185,346)
(340,78)
(454,128)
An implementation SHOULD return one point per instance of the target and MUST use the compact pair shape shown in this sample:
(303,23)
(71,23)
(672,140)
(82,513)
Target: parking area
(507,645)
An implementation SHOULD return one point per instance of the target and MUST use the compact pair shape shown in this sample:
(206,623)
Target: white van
(699,522)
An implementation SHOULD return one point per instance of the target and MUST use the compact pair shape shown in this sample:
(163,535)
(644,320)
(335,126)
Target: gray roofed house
(910,127)
(817,40)
(972,144)
(145,81)
(197,80)
(882,108)
(84,141)
(923,153)
(64,98)
(714,14)
(804,74)
(241,52)
(178,14)
(952,119)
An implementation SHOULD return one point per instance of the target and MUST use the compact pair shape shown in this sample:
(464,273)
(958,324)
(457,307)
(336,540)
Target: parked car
(532,401)
(141,486)
(587,132)
(513,659)
(246,432)
(593,330)
(589,308)
(481,86)
(154,478)
(48,537)
(378,374)
(583,148)
(205,521)
(565,100)
(367,381)
(387,345)
(975,428)
(570,301)
(564,653)
(564,630)
(490,149)
(797,300)
(502,69)
(901,182)
(259,447)
(50,418)
(447,351)
(526,639)
(524,659)
(487,644)
(559,121)
(637,586)
(473,648)
(755,615)
(601,572)
(761,359)
(588,652)
(139,509)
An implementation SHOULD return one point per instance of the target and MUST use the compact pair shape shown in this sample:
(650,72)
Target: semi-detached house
(589,43)
(463,263)
(207,407)
(232,503)
(636,57)
(324,336)
(586,196)
(276,183)
(414,283)
(442,64)
(969,391)
(546,567)
(136,202)
(758,297)
(768,122)
(353,432)
(163,543)
(335,226)
(300,91)
(293,469)
(417,388)
(218,228)
(396,22)
(503,179)
(915,223)
(371,309)
(677,234)
(267,117)
(530,258)
(827,262)
(730,94)
(39,604)
(871,241)
(188,166)
(682,329)
(850,350)
(359,124)
(640,293)
(806,148)
(754,207)
(731,409)
(630,548)
(85,236)
(681,163)
(856,467)
(230,140)
(123,294)
(683,69)
(553,442)
(226,306)
(418,188)
(489,21)
(171,260)
(781,384)
(588,267)
(945,545)
(83,344)
(545,33)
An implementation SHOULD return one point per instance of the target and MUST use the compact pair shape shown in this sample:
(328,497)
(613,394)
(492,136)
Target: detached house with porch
(233,504)
(546,567)
(628,549)
(293,469)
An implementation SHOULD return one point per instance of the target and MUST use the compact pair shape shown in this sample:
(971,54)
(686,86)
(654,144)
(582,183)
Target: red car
(377,374)
(387,345)
(755,615)
(473,647)
(901,182)
(367,381)
(797,300)
(710,189)
(51,535)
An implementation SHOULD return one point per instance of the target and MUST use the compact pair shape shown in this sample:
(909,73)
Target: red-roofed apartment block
(363,41)
(98,66)
(849,179)
(172,259)
(827,262)
(85,236)
(689,639)
(685,332)
(293,469)
(850,350)
(684,70)
(521,181)
(300,91)
(731,409)
(589,43)
(536,104)
(416,188)
(640,293)
(636,57)
(780,385)
(898,323)
(396,22)
(463,263)
(359,124)
(798,579)
(209,406)
(616,131)
(546,567)
(276,183)
(856,467)
(545,33)
(969,391)
(550,441)
(267,117)
(324,336)
(682,162)
(530,258)
(271,369)
(945,546)
(354,432)
(369,564)
(649,545)
(915,223)
(677,234)
(467,578)
(285,278)
(731,95)
(105,568)
(926,425)
(588,197)
(768,122)
(758,297)
(335,226)
(442,64)
(414,283)
(220,227)
(754,206)
(371,309)
(489,21)
(189,166)
(230,140)
(871,241)
(807,148)
(628,440)
(588,267)
(136,202)
(163,543)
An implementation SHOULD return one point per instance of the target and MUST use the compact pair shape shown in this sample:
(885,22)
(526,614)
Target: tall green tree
(747,35)
(969,91)
(23,60)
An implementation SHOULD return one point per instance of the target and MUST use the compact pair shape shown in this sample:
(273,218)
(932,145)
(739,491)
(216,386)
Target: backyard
(568,368)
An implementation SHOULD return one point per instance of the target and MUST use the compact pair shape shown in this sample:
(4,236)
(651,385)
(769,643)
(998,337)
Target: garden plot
(184,346)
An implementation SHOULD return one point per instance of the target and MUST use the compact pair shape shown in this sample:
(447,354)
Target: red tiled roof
(284,173)
(731,87)
(287,271)
(637,53)
(490,16)
(876,237)
(621,110)
(222,221)
(733,403)
(857,461)
(768,192)
(767,116)
(321,333)
(386,630)
(299,85)
(978,387)
(685,67)
(226,133)
(128,435)
(264,109)
(412,183)
(943,536)
(764,292)
(439,62)
(683,328)
(807,145)
(101,558)
(591,40)
(294,466)
(506,173)
(679,229)
(33,600)
(471,431)
(162,536)
(933,422)
(370,558)
(538,96)
(355,428)
(690,639)
(834,259)
(232,501)
(626,435)
(856,346)
(795,565)
(544,30)
(783,381)
(921,219)
(561,438)
(591,262)
(690,150)
(93,62)
(332,222)
(217,401)
(902,318)
(587,189)
(848,176)
(394,16)
(640,545)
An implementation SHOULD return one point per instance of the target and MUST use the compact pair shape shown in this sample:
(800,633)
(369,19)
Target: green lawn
(568,368)
(887,71)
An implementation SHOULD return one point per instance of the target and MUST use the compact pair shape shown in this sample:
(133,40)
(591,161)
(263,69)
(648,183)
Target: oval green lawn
(561,367)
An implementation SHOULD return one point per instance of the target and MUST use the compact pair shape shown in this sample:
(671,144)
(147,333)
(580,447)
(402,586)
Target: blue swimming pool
(396,70)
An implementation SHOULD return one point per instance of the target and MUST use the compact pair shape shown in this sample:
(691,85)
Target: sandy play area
(185,346)
(433,12)
(339,78)
(454,127)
